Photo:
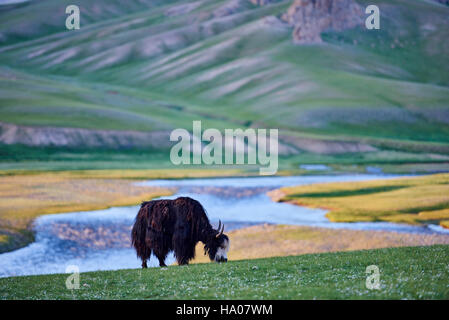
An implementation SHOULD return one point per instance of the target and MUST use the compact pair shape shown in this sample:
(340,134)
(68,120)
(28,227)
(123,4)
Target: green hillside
(158,65)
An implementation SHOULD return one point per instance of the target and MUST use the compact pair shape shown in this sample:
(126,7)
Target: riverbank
(412,200)
(405,273)
(27,195)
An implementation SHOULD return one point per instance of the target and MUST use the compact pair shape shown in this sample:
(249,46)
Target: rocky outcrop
(309,18)
(77,137)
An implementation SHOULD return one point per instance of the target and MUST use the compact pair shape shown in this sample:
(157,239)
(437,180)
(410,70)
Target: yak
(162,226)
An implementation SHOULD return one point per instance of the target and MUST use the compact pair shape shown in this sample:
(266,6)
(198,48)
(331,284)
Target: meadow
(18,159)
(405,273)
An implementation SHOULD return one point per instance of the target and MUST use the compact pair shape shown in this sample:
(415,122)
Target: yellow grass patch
(409,218)
(145,174)
(396,200)
(434,215)
(25,197)
(3,238)
(29,194)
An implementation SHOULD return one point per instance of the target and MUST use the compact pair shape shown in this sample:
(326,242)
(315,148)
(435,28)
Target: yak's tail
(139,232)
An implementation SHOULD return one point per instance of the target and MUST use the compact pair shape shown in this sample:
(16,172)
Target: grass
(405,273)
(20,158)
(143,174)
(413,200)
(26,195)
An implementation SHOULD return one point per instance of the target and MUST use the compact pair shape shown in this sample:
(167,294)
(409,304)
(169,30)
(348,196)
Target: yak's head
(218,246)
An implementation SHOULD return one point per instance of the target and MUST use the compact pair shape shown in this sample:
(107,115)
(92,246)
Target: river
(99,240)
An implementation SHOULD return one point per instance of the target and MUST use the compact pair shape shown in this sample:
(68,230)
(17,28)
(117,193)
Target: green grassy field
(17,158)
(405,273)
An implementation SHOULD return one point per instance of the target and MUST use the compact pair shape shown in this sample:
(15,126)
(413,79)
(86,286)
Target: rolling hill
(145,65)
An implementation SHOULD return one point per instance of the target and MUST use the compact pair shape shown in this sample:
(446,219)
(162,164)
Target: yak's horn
(222,229)
(218,229)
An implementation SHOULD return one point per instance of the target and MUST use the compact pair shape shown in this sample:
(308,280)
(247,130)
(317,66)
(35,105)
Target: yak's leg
(183,262)
(184,250)
(146,251)
(158,245)
(145,256)
(161,255)
(162,262)
(185,256)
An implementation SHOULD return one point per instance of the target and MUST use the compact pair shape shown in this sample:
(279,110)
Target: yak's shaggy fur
(176,225)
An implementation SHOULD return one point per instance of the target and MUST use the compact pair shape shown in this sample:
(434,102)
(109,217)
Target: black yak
(176,225)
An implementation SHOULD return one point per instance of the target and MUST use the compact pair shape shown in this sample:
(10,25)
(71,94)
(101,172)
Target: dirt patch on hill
(78,137)
(326,146)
